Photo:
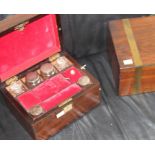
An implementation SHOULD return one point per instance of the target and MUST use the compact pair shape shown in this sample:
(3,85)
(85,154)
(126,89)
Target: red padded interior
(51,87)
(20,50)
(60,81)
(60,97)
(49,93)
(28,100)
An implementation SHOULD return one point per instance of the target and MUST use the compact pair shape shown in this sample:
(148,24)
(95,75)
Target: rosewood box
(132,54)
(45,88)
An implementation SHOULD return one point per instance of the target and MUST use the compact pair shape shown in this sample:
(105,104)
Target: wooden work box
(43,103)
(132,54)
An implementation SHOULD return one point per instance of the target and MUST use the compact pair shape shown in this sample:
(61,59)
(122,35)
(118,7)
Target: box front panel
(56,121)
(129,86)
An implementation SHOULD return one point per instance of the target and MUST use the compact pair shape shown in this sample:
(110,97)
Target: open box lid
(21,49)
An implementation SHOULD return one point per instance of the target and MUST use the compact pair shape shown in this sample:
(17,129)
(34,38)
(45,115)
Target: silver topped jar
(47,70)
(84,81)
(16,88)
(33,79)
(62,63)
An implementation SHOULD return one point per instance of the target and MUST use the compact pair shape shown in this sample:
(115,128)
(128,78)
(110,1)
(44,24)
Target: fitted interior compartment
(63,95)
(28,100)
(51,87)
(52,91)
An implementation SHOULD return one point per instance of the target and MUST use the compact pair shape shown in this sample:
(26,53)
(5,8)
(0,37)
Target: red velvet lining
(20,50)
(51,87)
(60,97)
(72,77)
(60,81)
(44,91)
(49,93)
(28,100)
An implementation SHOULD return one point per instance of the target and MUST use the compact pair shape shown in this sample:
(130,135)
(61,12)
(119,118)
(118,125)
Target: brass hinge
(11,80)
(21,26)
(54,57)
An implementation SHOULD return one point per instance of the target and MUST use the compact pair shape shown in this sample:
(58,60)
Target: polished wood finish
(128,77)
(48,124)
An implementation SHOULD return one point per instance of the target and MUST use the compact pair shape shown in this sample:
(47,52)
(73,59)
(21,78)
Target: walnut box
(132,54)
(45,88)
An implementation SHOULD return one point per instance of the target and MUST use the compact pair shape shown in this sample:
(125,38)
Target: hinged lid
(25,47)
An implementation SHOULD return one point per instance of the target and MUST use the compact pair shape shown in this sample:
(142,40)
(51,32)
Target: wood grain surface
(135,77)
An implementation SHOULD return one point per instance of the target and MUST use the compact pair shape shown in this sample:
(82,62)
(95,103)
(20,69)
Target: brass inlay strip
(135,54)
(132,43)
(137,82)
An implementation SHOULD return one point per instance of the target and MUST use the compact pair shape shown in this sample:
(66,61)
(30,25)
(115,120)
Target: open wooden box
(54,102)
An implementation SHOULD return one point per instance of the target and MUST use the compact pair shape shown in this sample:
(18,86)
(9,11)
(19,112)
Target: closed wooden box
(55,101)
(132,54)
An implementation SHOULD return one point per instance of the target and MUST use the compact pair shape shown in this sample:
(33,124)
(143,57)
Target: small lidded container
(84,81)
(47,70)
(62,63)
(33,79)
(16,88)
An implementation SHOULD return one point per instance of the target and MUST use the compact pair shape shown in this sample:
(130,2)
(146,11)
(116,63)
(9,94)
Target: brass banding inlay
(135,55)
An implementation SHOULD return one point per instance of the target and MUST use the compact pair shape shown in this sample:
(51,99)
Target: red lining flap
(20,50)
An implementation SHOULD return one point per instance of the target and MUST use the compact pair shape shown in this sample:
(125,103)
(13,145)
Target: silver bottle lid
(36,110)
(84,81)
(33,79)
(47,69)
(62,63)
(17,88)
